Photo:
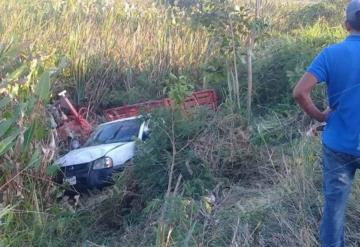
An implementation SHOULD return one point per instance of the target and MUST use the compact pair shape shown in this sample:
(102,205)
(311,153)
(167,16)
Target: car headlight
(104,162)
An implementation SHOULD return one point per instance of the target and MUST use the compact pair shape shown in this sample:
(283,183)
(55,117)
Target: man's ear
(348,26)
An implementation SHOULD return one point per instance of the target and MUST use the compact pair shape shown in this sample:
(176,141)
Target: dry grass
(224,144)
(109,45)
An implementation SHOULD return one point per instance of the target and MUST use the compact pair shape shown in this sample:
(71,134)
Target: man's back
(339,66)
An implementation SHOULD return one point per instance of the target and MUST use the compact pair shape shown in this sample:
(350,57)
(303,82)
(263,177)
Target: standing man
(339,66)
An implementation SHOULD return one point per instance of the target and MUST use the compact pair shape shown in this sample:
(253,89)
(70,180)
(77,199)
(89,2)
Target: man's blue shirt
(339,66)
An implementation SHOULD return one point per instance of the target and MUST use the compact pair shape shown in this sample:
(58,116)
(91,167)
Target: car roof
(119,120)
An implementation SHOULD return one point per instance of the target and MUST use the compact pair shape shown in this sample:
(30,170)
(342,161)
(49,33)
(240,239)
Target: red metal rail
(74,125)
(134,110)
(200,98)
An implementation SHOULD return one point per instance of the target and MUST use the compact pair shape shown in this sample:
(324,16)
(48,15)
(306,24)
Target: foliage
(322,11)
(225,147)
(235,29)
(27,145)
(152,164)
(179,88)
(283,60)
(26,90)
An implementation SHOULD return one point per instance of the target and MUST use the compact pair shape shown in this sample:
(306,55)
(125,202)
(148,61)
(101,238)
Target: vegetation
(245,175)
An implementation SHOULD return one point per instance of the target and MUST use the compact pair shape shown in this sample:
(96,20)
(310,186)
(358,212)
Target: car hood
(86,154)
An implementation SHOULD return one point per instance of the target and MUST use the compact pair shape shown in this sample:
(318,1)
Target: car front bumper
(83,176)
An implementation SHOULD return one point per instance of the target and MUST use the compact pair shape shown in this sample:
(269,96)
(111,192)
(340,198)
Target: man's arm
(302,95)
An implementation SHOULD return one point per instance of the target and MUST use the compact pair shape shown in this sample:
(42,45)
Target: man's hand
(326,114)
(301,95)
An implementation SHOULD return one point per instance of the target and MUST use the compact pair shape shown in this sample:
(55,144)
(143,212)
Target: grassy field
(124,49)
(239,181)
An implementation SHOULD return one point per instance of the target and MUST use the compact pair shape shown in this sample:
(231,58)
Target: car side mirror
(146,134)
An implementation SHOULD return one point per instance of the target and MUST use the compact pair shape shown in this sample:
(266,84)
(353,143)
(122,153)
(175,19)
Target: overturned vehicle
(97,153)
(108,149)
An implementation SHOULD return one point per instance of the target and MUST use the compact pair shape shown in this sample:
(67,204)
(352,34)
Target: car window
(124,131)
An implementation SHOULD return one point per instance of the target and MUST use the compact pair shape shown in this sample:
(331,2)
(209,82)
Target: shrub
(310,14)
(283,60)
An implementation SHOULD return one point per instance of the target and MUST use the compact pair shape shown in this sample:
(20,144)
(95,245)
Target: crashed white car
(108,148)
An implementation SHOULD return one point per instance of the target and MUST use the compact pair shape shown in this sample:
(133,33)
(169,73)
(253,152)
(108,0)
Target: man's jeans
(338,173)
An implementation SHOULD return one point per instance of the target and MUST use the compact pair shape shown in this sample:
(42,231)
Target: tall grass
(109,43)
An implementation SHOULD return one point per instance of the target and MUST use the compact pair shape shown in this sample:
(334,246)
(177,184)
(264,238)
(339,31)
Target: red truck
(75,123)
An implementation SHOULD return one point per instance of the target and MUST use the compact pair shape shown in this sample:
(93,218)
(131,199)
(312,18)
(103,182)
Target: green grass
(265,178)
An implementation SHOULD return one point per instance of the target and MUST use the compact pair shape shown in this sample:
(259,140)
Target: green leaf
(172,76)
(64,62)
(29,106)
(5,126)
(8,143)
(52,170)
(35,160)
(16,74)
(28,136)
(4,102)
(43,87)
(6,210)
(7,51)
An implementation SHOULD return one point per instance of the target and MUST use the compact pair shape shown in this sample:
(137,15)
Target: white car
(108,148)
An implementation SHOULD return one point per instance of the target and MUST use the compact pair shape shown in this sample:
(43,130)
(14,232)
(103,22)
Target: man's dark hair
(355,24)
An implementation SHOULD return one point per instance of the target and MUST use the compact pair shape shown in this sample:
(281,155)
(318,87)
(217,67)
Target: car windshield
(124,131)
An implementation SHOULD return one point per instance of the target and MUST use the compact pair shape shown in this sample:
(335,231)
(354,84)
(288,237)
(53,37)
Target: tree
(235,29)
(250,46)
(226,23)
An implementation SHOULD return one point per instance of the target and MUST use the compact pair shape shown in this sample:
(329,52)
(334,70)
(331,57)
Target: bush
(310,14)
(27,147)
(172,136)
(282,61)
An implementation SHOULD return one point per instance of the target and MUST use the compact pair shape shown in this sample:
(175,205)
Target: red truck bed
(200,98)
